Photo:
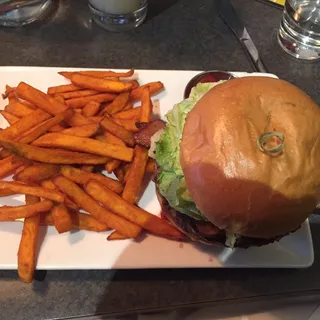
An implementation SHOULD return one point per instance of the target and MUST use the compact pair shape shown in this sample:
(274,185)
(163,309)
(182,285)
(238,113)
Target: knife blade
(230,17)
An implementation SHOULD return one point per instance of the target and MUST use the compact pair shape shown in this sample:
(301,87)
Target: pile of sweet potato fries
(57,146)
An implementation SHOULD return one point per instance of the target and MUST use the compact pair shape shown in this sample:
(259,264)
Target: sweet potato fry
(46,219)
(78,94)
(20,188)
(136,215)
(47,103)
(67,74)
(28,244)
(80,221)
(135,174)
(119,173)
(76,120)
(10,94)
(54,156)
(126,167)
(78,110)
(87,168)
(99,84)
(24,211)
(57,127)
(151,166)
(102,108)
(82,177)
(115,235)
(81,102)
(5,193)
(128,124)
(135,84)
(60,99)
(101,137)
(59,140)
(37,173)
(4,153)
(87,130)
(11,119)
(24,124)
(61,218)
(48,184)
(62,88)
(118,131)
(83,221)
(146,105)
(36,132)
(91,109)
(28,104)
(96,119)
(25,162)
(154,88)
(38,98)
(7,167)
(18,109)
(133,113)
(84,201)
(79,120)
(23,167)
(128,106)
(105,74)
(110,138)
(118,103)
(113,164)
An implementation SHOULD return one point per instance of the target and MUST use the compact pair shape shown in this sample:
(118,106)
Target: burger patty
(204,231)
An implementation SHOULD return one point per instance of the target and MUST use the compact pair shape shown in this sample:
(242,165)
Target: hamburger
(238,162)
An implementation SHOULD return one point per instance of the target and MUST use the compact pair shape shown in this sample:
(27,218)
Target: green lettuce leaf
(171,181)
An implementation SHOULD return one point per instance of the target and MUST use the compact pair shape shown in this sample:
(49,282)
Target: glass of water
(299,33)
(118,15)
(16,13)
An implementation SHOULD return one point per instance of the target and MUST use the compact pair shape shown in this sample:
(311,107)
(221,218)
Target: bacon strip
(146,131)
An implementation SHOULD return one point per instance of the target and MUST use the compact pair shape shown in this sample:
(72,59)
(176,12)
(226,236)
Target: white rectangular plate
(89,250)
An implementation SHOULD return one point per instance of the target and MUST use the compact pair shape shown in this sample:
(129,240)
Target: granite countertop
(179,34)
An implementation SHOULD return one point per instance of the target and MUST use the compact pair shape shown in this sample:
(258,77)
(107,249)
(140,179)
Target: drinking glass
(299,33)
(16,13)
(118,15)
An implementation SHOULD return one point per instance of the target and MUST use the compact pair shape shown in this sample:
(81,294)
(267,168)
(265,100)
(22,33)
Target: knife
(230,17)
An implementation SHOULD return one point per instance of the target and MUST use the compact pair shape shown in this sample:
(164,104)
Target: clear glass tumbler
(118,15)
(299,33)
(16,13)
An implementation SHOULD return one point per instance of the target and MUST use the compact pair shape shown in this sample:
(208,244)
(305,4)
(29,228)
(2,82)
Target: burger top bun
(256,188)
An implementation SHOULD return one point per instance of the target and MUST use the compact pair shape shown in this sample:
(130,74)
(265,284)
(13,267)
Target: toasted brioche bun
(238,187)
(205,232)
